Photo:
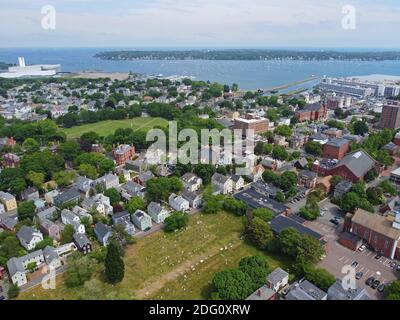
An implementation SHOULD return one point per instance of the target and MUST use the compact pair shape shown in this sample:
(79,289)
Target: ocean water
(248,74)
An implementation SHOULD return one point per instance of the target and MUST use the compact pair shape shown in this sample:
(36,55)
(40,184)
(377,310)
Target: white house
(277,279)
(108,181)
(222,183)
(157,212)
(178,203)
(191,181)
(142,220)
(99,202)
(237,182)
(68,217)
(29,237)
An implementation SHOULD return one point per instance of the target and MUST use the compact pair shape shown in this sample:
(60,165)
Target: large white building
(37,70)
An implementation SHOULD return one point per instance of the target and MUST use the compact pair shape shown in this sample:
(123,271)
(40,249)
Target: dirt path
(152,286)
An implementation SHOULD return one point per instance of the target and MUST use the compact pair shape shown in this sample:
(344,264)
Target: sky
(202,23)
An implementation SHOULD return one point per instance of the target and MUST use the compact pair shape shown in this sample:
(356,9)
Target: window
(386,244)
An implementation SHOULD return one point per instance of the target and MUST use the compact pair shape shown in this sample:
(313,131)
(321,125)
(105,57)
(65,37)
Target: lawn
(104,128)
(171,266)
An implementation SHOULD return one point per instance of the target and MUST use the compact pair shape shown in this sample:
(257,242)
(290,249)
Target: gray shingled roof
(81,239)
(337,142)
(277,276)
(26,233)
(358,162)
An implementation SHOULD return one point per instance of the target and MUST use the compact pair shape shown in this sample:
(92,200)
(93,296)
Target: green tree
(360,127)
(279,152)
(319,277)
(135,203)
(67,235)
(18,185)
(314,148)
(64,178)
(283,130)
(69,150)
(259,232)
(36,178)
(114,195)
(79,269)
(114,265)
(232,205)
(88,170)
(232,284)
(13,291)
(263,214)
(393,291)
(257,268)
(176,221)
(30,145)
(388,187)
(26,210)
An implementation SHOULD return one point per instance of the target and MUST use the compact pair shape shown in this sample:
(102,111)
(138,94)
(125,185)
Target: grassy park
(180,265)
(104,128)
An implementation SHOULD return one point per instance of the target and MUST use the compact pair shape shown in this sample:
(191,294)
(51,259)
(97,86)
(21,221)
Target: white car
(362,248)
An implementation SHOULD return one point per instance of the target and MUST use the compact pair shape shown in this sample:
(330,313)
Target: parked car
(398,267)
(378,256)
(369,281)
(359,275)
(393,265)
(362,248)
(2,298)
(381,287)
(354,264)
(375,284)
(335,222)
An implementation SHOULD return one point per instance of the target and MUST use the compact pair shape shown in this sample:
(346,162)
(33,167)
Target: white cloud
(201,23)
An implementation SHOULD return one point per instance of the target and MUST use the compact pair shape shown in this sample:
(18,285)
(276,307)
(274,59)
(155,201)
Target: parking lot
(339,256)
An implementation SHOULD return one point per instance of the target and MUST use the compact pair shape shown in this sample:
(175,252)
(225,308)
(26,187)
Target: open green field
(180,265)
(104,128)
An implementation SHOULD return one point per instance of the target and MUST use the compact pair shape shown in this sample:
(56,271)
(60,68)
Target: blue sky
(200,23)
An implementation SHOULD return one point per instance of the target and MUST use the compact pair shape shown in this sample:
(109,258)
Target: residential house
(17,267)
(237,182)
(50,229)
(342,188)
(307,179)
(305,290)
(256,173)
(391,148)
(157,212)
(132,189)
(30,194)
(277,279)
(124,218)
(138,165)
(98,202)
(68,217)
(84,185)
(108,181)
(29,237)
(262,294)
(8,200)
(194,198)
(191,181)
(8,223)
(178,203)
(221,183)
(103,233)
(312,112)
(70,196)
(143,177)
(142,220)
(49,196)
(82,243)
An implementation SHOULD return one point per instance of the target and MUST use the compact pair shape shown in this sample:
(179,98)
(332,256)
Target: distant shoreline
(248,55)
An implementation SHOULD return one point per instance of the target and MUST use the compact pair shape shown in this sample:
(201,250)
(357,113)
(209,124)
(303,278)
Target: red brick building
(258,125)
(381,233)
(390,117)
(123,153)
(354,166)
(312,112)
(336,148)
